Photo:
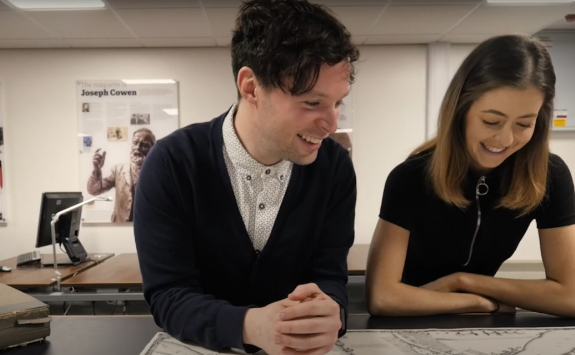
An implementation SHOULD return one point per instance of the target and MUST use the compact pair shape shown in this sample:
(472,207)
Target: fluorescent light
(57,4)
(528,2)
(150,81)
(171,111)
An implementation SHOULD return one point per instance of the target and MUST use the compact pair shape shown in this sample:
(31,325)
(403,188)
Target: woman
(457,208)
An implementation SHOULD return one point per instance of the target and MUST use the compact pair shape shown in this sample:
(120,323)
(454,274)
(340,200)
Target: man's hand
(260,326)
(311,326)
(99,159)
(449,283)
(307,323)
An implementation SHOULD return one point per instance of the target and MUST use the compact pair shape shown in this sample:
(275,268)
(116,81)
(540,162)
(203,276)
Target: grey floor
(355,290)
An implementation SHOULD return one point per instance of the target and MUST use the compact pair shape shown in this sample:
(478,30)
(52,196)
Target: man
(343,139)
(243,223)
(124,177)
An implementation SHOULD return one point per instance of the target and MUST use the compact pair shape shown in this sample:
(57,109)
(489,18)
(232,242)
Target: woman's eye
(312,103)
(490,123)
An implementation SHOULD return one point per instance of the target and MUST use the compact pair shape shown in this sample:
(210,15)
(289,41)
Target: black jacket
(442,239)
(200,270)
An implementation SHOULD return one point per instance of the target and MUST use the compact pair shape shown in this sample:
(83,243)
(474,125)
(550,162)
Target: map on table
(484,341)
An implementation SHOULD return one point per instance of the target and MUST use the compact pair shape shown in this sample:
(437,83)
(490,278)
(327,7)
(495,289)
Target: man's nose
(329,120)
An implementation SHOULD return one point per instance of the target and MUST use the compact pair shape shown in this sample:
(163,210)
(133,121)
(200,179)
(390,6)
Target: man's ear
(248,85)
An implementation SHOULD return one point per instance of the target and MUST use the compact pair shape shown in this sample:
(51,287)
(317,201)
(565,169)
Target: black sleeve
(164,236)
(397,204)
(329,266)
(558,206)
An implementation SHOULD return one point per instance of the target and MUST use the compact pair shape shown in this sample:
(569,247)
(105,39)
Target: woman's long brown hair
(504,61)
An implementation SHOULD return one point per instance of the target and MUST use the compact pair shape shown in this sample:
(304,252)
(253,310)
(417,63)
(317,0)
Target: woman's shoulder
(419,161)
(557,165)
(558,173)
(414,167)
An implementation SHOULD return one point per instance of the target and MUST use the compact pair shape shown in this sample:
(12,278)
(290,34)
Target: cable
(67,309)
(70,305)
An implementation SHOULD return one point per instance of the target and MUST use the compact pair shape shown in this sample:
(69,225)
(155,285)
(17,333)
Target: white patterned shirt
(259,189)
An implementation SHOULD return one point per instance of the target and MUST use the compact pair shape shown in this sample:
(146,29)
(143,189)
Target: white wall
(389,107)
(41,124)
(41,129)
(389,122)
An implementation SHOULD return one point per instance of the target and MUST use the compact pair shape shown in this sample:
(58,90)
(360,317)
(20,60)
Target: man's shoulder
(193,138)
(333,163)
(332,152)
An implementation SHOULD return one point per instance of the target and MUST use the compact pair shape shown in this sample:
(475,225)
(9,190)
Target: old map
(492,341)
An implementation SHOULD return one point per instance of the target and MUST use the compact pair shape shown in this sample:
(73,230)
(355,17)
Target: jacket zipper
(481,189)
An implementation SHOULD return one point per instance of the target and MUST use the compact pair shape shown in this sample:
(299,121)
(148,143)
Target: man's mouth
(310,139)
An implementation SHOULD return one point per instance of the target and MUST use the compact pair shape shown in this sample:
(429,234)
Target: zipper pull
(482,188)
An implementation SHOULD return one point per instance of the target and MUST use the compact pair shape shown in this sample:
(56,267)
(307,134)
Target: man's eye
(312,103)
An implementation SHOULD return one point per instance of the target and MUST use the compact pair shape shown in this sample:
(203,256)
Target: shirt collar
(240,157)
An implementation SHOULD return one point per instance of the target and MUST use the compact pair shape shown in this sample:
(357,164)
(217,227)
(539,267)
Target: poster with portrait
(2,165)
(119,122)
(344,132)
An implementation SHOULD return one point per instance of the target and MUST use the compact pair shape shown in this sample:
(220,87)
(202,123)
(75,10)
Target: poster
(344,132)
(561,47)
(560,118)
(119,122)
(2,165)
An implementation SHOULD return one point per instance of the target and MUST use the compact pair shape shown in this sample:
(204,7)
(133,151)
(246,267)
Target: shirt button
(268,171)
(248,178)
(258,252)
(262,206)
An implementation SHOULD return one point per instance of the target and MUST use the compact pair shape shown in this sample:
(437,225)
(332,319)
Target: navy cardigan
(200,270)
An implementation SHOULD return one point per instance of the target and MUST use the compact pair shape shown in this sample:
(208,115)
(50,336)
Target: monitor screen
(68,225)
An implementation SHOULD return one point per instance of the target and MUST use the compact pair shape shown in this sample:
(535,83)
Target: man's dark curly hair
(285,42)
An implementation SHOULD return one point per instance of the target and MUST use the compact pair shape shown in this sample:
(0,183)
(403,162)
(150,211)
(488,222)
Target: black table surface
(519,320)
(127,335)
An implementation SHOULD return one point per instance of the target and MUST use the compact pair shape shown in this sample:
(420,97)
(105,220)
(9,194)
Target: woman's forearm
(545,296)
(404,300)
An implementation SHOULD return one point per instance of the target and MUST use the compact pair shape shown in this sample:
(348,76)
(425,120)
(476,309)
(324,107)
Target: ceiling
(207,23)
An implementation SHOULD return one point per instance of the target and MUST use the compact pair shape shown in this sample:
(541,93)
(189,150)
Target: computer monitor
(68,226)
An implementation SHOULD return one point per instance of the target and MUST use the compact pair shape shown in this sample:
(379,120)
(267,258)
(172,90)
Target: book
(23,319)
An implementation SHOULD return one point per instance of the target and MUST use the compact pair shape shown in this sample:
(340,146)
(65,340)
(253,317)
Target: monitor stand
(62,259)
(75,254)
